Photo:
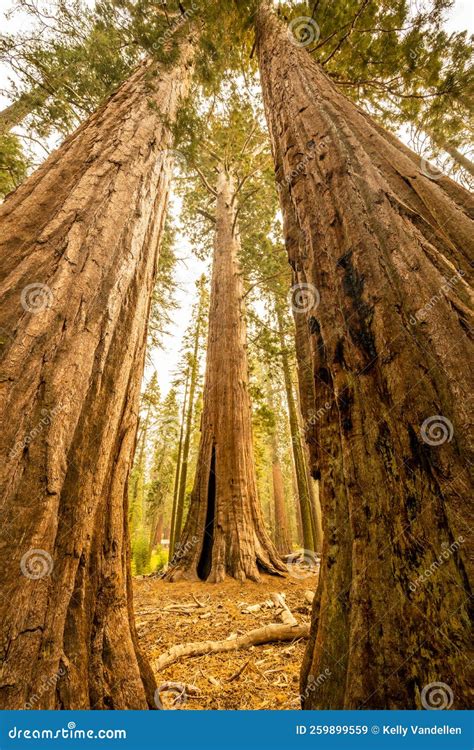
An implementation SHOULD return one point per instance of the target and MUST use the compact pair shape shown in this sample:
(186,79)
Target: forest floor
(259,677)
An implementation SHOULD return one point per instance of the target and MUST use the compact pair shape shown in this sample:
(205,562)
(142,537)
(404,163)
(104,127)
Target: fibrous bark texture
(77,265)
(224,532)
(388,250)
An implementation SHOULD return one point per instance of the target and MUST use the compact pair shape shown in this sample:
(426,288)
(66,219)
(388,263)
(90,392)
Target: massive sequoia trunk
(224,532)
(77,265)
(388,251)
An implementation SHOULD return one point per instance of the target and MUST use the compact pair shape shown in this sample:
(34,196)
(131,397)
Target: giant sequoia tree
(225,532)
(387,249)
(78,259)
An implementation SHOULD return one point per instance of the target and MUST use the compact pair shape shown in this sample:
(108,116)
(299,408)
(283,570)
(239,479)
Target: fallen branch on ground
(267,634)
(286,615)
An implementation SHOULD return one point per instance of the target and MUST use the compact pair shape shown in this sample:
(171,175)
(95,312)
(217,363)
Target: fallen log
(274,632)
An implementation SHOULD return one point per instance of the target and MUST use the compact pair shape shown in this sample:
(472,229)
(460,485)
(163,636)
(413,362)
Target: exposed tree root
(266,634)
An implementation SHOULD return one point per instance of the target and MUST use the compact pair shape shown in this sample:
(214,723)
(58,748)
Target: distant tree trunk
(304,499)
(178,473)
(460,159)
(137,495)
(378,239)
(282,540)
(78,258)
(189,426)
(157,534)
(156,495)
(224,531)
(281,535)
(15,113)
(455,154)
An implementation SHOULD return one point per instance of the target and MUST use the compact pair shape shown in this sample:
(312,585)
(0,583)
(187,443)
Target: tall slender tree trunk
(189,426)
(281,535)
(224,531)
(78,258)
(380,241)
(304,499)
(455,154)
(137,495)
(282,539)
(157,530)
(177,475)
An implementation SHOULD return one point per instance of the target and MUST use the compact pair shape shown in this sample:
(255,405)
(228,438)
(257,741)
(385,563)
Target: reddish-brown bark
(378,239)
(86,228)
(224,533)
(282,537)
